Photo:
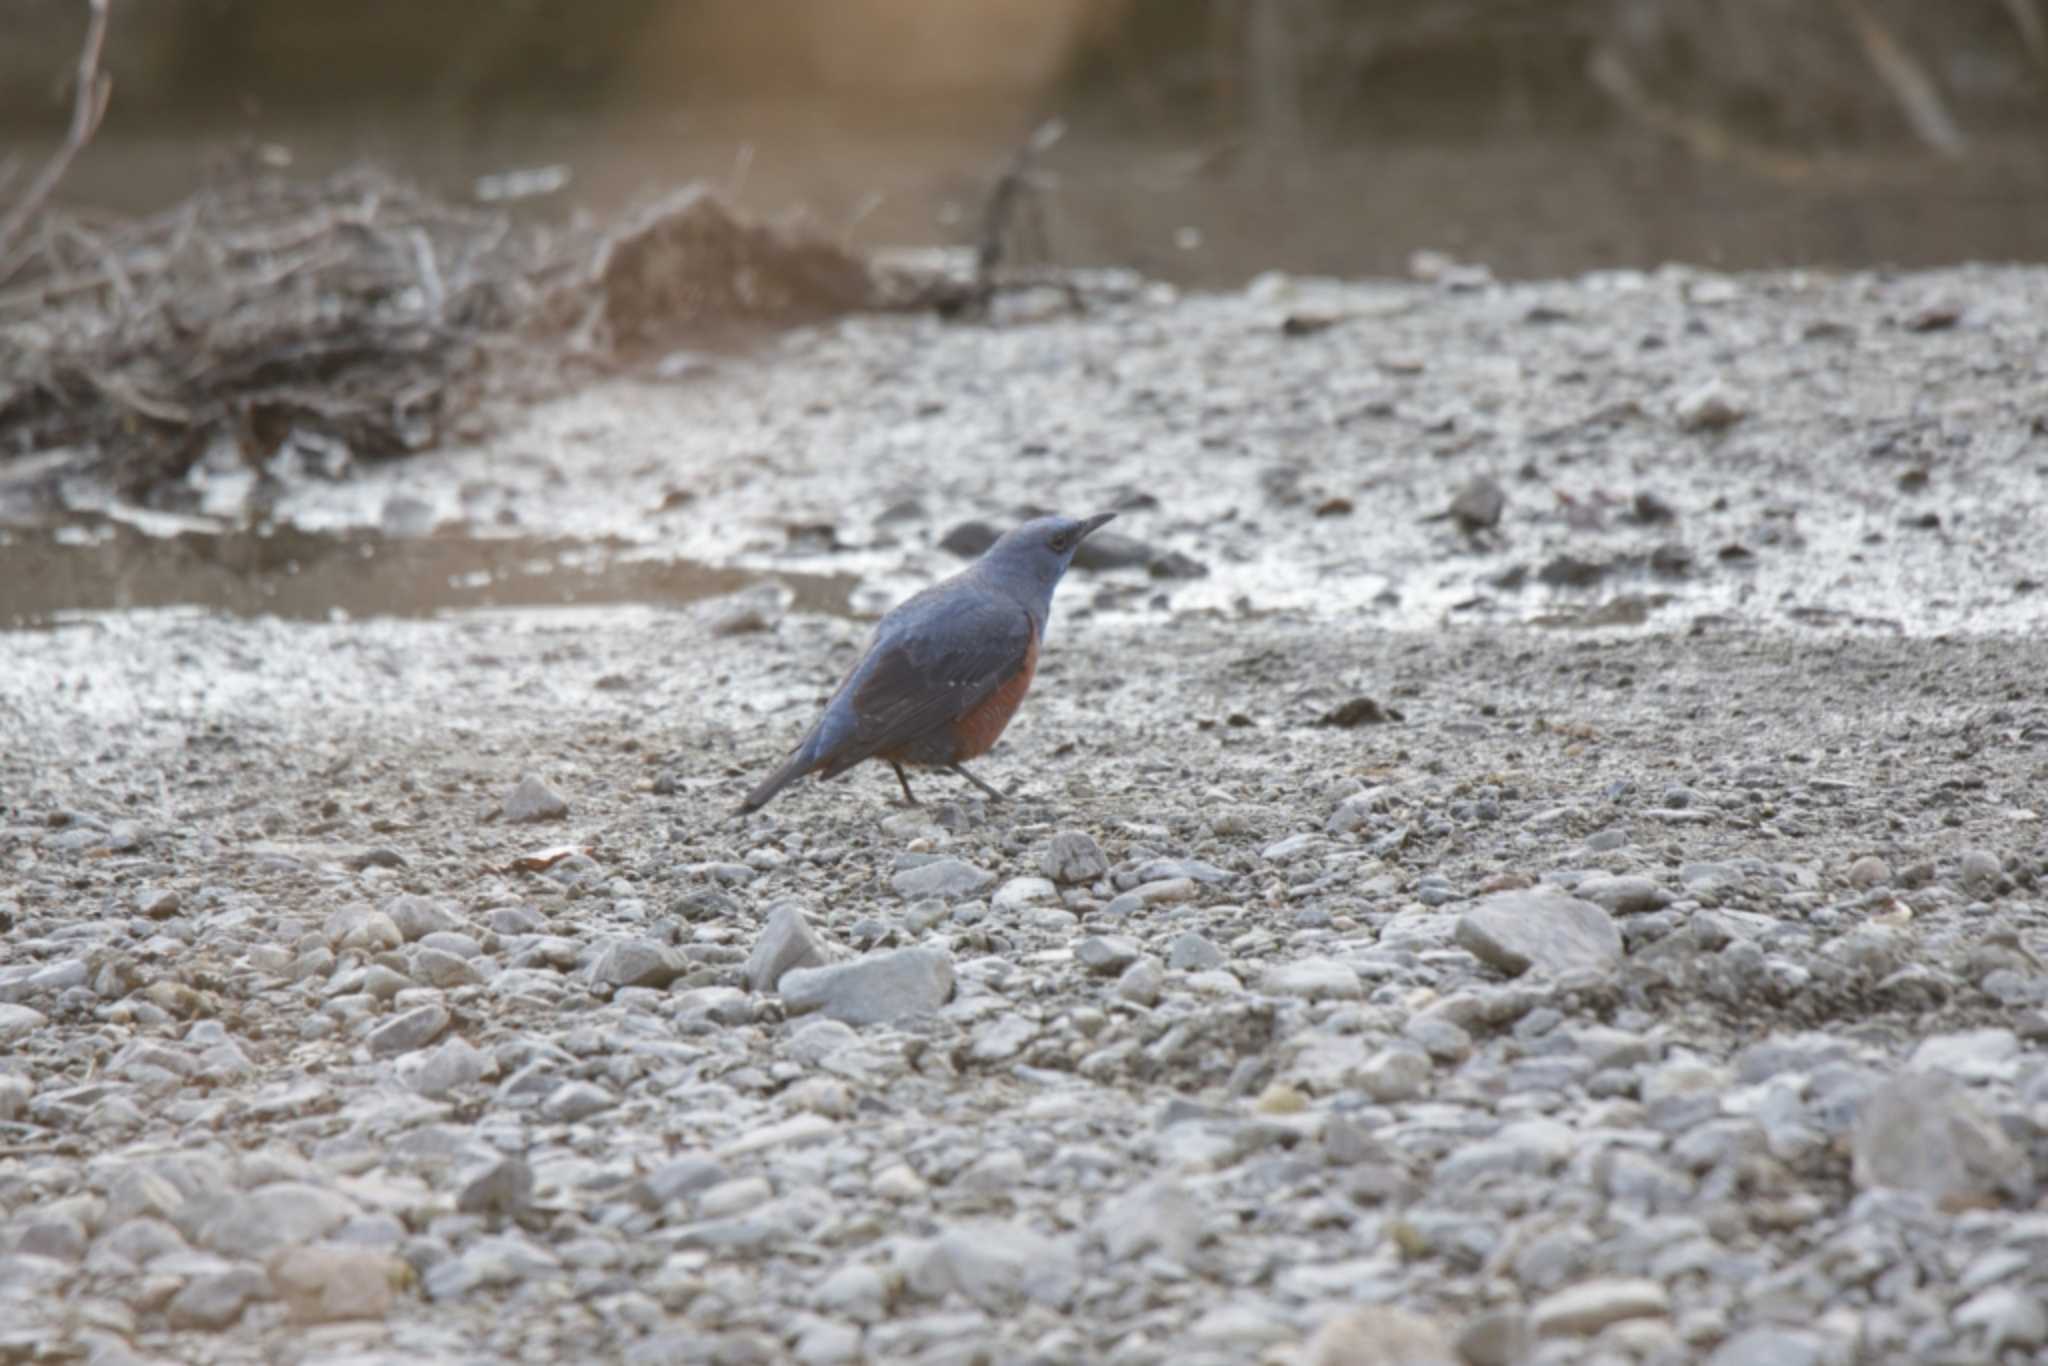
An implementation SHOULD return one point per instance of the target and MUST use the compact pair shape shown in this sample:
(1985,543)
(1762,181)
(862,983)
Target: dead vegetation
(358,311)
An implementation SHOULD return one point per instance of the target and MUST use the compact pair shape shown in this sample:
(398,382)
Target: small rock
(215,1299)
(1710,407)
(997,1266)
(1979,872)
(455,1064)
(1190,952)
(574,1100)
(874,989)
(1161,1216)
(1584,1309)
(1478,504)
(2003,1317)
(1498,1338)
(416,917)
(1629,895)
(1314,979)
(1023,891)
(1869,871)
(1142,982)
(158,903)
(1395,1074)
(785,943)
(329,1284)
(416,1028)
(1107,954)
(505,1187)
(948,878)
(1517,931)
(533,800)
(1072,857)
(757,607)
(638,963)
(1921,1131)
(255,1224)
(1379,1336)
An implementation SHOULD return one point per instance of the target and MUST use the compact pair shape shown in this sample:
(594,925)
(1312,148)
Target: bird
(946,668)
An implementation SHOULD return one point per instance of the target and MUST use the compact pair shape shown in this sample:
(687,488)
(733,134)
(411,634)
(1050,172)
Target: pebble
(1141,982)
(213,1300)
(455,1064)
(1709,407)
(948,878)
(1315,979)
(402,1033)
(323,1284)
(1107,954)
(786,942)
(574,1100)
(1073,857)
(1190,952)
(1920,1131)
(532,800)
(1543,932)
(1379,1336)
(875,989)
(1023,891)
(1584,1309)
(1869,871)
(999,1267)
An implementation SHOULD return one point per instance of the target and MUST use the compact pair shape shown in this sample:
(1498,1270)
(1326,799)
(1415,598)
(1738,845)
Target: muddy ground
(1613,931)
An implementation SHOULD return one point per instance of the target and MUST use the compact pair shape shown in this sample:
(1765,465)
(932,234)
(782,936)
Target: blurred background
(1206,140)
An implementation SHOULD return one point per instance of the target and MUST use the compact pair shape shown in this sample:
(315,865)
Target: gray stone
(504,1187)
(158,903)
(1922,1132)
(18,1022)
(1978,871)
(1190,952)
(874,989)
(1548,932)
(950,879)
(1379,1335)
(855,1291)
(1584,1309)
(681,1177)
(1869,871)
(1627,895)
(1315,979)
(254,1224)
(996,1266)
(1024,891)
(1500,1337)
(1395,1073)
(786,943)
(329,1284)
(1709,406)
(1001,1038)
(455,1064)
(362,929)
(533,800)
(416,917)
(1142,982)
(1160,1216)
(1107,954)
(637,963)
(214,1299)
(1072,857)
(1973,1055)
(574,1100)
(2003,1317)
(416,1028)
(1773,1345)
(439,968)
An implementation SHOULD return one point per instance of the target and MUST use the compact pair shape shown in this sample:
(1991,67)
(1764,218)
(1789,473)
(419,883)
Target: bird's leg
(961,769)
(903,778)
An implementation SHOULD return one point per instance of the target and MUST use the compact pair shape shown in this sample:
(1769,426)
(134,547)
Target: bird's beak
(1089,525)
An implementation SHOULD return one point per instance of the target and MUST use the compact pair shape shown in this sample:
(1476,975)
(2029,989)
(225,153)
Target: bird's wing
(931,672)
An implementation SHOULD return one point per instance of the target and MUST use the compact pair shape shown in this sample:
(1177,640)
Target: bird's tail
(798,764)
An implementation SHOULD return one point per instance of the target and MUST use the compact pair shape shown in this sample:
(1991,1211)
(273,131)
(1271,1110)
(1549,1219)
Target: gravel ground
(1385,956)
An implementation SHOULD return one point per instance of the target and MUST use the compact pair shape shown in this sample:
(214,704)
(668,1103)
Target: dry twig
(88,107)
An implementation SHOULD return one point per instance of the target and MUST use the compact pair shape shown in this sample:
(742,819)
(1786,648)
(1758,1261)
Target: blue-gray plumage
(946,669)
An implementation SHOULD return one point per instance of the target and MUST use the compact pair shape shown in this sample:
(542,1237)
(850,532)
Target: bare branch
(88,107)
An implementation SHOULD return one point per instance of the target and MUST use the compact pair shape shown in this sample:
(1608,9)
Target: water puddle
(47,575)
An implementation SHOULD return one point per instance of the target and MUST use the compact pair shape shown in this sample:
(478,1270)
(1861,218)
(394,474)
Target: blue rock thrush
(946,669)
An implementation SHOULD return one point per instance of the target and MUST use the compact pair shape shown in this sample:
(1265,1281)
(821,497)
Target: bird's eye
(1061,541)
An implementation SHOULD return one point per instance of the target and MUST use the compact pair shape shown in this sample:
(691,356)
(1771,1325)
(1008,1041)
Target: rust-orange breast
(976,733)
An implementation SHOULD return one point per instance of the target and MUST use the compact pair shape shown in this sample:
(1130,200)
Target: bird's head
(1035,555)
